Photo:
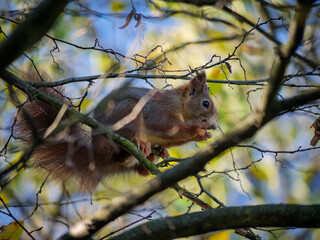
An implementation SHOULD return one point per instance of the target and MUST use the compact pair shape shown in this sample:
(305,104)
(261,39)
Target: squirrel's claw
(164,153)
(203,135)
(145,147)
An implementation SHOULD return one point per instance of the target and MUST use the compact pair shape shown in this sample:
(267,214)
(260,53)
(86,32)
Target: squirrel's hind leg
(164,153)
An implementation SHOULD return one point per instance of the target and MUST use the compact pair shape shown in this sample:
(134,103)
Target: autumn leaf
(12,231)
(128,18)
(229,67)
(214,73)
(137,17)
(316,137)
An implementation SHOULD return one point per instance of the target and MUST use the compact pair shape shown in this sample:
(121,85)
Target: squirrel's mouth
(212,122)
(213,125)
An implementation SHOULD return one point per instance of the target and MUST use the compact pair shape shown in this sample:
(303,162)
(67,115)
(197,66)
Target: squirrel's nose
(214,126)
(212,122)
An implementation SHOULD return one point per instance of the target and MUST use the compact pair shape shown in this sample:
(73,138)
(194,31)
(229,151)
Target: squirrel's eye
(206,104)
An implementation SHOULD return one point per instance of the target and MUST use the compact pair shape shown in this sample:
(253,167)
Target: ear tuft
(201,76)
(198,83)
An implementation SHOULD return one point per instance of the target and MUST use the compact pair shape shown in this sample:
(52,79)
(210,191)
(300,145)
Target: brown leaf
(316,137)
(128,18)
(197,201)
(229,67)
(180,193)
(137,17)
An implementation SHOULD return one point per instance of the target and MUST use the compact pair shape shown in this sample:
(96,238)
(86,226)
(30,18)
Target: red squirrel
(144,116)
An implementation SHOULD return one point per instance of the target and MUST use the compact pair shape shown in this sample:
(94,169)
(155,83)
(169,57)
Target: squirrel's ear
(198,83)
(201,76)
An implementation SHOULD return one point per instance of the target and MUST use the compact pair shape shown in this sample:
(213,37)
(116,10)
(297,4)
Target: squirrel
(147,117)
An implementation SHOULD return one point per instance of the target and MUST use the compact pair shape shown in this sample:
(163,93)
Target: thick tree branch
(30,31)
(282,215)
(284,54)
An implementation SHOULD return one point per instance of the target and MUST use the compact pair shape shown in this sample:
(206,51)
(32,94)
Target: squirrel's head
(199,106)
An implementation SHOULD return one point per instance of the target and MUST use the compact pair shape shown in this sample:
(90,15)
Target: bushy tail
(68,154)
(35,116)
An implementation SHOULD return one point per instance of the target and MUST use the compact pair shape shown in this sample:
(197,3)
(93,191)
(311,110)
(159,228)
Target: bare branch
(250,23)
(31,30)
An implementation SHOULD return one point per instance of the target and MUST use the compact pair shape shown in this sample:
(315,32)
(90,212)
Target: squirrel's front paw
(201,131)
(145,147)
(203,135)
(164,153)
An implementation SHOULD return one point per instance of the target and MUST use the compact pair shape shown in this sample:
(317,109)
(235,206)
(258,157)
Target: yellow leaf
(251,50)
(4,197)
(175,152)
(214,73)
(223,235)
(259,174)
(117,6)
(12,231)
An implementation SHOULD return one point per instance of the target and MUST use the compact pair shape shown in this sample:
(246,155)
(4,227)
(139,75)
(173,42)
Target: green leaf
(117,6)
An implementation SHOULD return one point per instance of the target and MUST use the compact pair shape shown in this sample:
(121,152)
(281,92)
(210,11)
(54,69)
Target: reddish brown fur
(169,118)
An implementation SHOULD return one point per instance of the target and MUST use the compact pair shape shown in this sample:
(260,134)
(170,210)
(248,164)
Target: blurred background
(278,165)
